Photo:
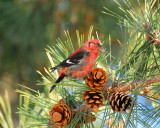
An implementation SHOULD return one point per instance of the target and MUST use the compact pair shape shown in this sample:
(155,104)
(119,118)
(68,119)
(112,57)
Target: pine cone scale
(98,102)
(91,101)
(96,97)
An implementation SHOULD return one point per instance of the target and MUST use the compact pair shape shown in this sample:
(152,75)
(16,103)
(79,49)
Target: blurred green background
(28,26)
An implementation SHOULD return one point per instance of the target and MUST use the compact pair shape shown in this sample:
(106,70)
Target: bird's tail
(57,81)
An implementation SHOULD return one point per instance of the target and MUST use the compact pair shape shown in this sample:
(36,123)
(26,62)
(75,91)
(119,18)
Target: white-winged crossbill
(79,64)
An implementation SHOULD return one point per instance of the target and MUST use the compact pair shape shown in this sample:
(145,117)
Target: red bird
(79,64)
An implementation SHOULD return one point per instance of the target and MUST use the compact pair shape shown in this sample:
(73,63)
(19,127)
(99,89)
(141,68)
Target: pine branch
(129,86)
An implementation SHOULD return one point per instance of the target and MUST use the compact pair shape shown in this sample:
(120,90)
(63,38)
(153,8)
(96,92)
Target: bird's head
(93,45)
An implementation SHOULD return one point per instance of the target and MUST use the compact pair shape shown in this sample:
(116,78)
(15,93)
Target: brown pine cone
(87,119)
(97,79)
(120,101)
(60,115)
(86,115)
(93,99)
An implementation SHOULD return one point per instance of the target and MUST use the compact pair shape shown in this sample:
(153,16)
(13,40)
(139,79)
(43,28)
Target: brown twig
(145,91)
(150,92)
(130,86)
(151,36)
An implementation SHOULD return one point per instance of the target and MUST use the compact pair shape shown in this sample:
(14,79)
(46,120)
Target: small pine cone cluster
(93,118)
(86,115)
(152,35)
(120,101)
(87,118)
(93,99)
(97,79)
(60,114)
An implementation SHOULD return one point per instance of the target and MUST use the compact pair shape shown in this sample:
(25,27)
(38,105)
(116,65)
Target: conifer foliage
(110,96)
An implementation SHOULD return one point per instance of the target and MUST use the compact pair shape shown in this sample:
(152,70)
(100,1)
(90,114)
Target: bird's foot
(52,69)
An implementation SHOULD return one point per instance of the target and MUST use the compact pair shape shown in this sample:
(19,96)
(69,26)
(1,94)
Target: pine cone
(97,79)
(87,119)
(60,114)
(120,101)
(93,99)
(85,113)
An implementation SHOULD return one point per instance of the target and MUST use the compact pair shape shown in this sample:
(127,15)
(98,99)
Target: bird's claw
(52,69)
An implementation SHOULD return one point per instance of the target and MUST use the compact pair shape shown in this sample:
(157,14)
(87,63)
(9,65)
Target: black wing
(75,59)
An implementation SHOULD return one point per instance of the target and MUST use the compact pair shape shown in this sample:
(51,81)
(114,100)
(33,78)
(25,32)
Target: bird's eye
(89,43)
(98,45)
